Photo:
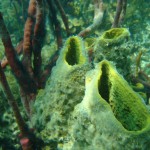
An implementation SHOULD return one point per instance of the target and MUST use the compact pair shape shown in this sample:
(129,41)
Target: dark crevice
(103,84)
(72,56)
(114,33)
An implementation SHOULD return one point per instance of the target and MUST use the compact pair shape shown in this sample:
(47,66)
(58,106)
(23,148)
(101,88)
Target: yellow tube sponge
(126,105)
(113,36)
(111,115)
(73,52)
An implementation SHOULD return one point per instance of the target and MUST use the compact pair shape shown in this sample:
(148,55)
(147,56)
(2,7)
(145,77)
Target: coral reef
(61,109)
(68,118)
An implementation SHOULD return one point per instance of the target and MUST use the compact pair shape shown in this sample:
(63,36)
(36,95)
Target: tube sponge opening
(113,36)
(74,48)
(126,105)
(113,33)
(103,84)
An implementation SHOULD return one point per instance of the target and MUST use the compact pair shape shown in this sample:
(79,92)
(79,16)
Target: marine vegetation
(75,74)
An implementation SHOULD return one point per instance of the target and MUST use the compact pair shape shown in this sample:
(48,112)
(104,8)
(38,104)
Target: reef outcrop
(84,108)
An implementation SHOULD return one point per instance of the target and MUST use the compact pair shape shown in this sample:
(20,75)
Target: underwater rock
(113,45)
(111,115)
